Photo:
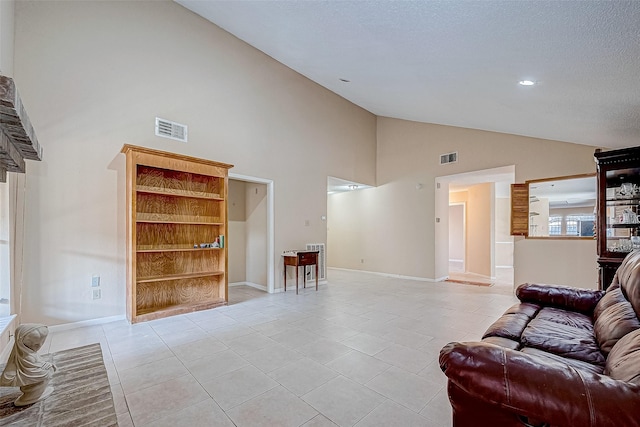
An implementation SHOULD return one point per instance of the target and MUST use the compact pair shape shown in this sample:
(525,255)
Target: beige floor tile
(216,365)
(392,414)
(276,407)
(324,350)
(184,337)
(295,338)
(271,331)
(141,356)
(204,414)
(303,376)
(319,421)
(249,343)
(358,366)
(343,401)
(198,349)
(150,374)
(439,409)
(404,357)
(237,387)
(365,343)
(405,388)
(272,357)
(163,399)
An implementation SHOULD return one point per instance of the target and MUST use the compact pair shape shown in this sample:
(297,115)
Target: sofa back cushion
(627,278)
(623,362)
(614,322)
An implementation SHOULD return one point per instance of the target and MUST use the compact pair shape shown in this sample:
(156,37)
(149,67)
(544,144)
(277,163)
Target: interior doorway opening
(250,240)
(474,245)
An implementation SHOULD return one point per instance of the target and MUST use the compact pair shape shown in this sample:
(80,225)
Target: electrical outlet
(95,282)
(96,294)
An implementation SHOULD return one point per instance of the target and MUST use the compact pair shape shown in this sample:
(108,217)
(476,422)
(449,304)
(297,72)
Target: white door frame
(270,225)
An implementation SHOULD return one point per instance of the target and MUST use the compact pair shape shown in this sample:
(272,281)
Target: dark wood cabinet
(618,208)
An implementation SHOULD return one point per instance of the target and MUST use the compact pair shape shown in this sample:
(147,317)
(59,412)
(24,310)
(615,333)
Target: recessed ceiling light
(526,82)
(344,80)
(353,187)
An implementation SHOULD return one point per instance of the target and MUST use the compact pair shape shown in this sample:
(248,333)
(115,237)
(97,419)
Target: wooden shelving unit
(175,204)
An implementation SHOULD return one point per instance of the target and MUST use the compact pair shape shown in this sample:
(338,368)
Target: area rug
(81,396)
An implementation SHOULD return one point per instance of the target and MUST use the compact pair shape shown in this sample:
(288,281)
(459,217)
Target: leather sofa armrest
(574,299)
(540,388)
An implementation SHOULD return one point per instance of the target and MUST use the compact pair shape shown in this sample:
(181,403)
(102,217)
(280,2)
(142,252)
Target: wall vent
(322,266)
(172,130)
(449,158)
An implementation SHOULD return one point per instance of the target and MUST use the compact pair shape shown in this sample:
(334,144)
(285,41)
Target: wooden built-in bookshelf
(175,205)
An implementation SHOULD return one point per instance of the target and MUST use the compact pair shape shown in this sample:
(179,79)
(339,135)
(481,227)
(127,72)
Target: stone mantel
(17,138)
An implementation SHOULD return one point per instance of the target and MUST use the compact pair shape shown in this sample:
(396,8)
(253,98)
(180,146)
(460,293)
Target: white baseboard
(83,323)
(396,276)
(251,284)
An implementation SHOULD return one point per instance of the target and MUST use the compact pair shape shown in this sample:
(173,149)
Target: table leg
(316,277)
(285,277)
(297,279)
(304,276)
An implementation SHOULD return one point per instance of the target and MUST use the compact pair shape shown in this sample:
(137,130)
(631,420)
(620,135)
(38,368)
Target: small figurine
(25,369)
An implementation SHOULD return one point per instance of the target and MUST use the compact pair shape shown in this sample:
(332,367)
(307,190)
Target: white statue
(25,369)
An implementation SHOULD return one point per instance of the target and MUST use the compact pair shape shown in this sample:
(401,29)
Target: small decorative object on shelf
(618,208)
(177,210)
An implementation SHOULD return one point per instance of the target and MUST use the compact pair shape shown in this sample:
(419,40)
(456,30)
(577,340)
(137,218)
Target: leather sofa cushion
(569,318)
(623,362)
(613,296)
(511,324)
(563,340)
(578,364)
(627,277)
(613,323)
(503,342)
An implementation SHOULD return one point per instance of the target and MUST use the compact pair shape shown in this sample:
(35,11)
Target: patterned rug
(81,396)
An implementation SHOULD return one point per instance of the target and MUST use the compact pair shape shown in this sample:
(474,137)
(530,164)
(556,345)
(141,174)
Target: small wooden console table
(300,259)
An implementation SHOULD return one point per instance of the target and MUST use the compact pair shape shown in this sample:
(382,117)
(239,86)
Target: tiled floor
(362,351)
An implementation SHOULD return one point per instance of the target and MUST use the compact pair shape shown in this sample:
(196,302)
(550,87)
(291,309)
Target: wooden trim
(143,150)
(520,209)
(561,178)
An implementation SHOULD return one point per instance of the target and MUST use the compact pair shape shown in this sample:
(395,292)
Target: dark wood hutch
(618,208)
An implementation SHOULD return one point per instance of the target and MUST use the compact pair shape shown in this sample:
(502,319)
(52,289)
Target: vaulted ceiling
(459,62)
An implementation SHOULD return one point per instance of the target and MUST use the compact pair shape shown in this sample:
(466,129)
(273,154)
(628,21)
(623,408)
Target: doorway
(474,245)
(251,241)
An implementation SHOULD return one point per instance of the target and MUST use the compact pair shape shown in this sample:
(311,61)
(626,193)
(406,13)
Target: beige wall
(504,240)
(256,233)
(236,239)
(91,85)
(480,230)
(6,37)
(408,154)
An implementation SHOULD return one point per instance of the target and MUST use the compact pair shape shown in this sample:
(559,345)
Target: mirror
(562,207)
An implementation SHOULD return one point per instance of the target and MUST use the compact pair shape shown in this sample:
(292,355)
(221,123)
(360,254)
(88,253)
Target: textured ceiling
(459,62)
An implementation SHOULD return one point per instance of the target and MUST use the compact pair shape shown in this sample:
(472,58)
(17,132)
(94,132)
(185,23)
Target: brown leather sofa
(562,357)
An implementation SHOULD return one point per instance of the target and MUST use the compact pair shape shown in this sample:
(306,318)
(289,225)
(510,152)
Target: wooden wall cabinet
(176,233)
(618,208)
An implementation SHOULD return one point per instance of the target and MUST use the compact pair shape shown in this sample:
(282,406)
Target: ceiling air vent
(449,158)
(169,129)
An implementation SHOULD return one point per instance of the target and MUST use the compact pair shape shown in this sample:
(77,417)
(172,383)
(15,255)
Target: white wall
(94,75)
(6,37)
